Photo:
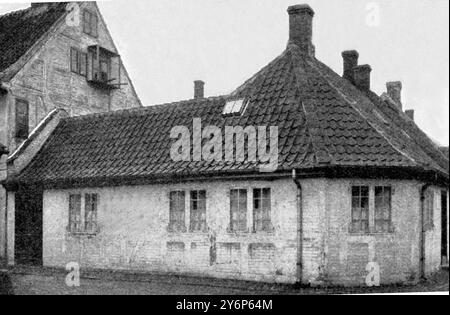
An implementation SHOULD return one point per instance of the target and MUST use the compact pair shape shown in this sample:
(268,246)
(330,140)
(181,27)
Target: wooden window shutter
(74,60)
(87,22)
(82,64)
(94,25)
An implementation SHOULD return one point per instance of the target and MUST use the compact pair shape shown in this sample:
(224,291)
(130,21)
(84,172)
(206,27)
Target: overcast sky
(166,45)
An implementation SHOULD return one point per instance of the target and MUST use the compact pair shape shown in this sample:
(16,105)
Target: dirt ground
(52,282)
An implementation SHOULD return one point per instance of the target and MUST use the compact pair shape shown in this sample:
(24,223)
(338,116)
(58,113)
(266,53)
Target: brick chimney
(362,77)
(300,28)
(199,89)
(350,62)
(410,114)
(394,90)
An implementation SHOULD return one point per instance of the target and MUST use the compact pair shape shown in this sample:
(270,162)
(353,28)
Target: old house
(56,55)
(358,184)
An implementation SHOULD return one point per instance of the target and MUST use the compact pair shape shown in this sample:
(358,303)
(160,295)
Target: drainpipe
(423,231)
(299,228)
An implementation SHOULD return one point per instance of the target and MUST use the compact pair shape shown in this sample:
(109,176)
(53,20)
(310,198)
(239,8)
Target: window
(22,119)
(90,212)
(383,209)
(234,107)
(104,67)
(198,211)
(75,225)
(90,23)
(83,222)
(177,211)
(429,210)
(78,62)
(261,210)
(238,210)
(360,209)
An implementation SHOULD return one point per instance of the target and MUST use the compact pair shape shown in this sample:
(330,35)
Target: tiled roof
(20,30)
(323,121)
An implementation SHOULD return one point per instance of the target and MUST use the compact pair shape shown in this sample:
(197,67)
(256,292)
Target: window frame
(90,208)
(359,208)
(89,27)
(177,224)
(386,223)
(239,225)
(82,215)
(22,128)
(75,219)
(372,205)
(196,224)
(77,64)
(264,223)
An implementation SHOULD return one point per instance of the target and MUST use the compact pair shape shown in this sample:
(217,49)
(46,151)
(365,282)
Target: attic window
(234,107)
(90,23)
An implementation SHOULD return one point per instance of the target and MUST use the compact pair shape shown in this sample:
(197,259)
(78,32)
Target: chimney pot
(362,77)
(350,63)
(394,90)
(410,114)
(300,27)
(199,89)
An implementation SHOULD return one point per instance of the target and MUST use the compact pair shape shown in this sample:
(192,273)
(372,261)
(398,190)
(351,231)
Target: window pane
(198,211)
(365,191)
(177,210)
(360,208)
(75,213)
(383,208)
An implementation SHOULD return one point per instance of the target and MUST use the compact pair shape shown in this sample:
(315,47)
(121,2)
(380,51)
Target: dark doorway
(444,228)
(28,229)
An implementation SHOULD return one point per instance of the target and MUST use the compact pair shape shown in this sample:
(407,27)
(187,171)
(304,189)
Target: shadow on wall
(5,284)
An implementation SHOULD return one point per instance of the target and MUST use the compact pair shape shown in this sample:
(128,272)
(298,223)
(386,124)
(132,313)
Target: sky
(166,45)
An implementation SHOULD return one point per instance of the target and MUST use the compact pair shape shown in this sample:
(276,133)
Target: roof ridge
(145,109)
(300,85)
(406,122)
(258,74)
(352,103)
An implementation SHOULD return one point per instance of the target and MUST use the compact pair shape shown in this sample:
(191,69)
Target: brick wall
(397,253)
(134,236)
(133,233)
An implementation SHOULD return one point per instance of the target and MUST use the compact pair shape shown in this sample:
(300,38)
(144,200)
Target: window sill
(83,234)
(371,233)
(264,233)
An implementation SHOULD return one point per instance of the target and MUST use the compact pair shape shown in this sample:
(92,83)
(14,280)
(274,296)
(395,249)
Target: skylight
(234,107)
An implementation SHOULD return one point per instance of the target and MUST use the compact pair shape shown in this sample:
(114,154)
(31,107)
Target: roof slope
(20,30)
(323,121)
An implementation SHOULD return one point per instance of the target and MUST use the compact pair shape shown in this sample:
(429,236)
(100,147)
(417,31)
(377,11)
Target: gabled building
(56,55)
(357,185)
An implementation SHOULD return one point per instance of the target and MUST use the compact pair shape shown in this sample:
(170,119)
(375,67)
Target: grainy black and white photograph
(223,154)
